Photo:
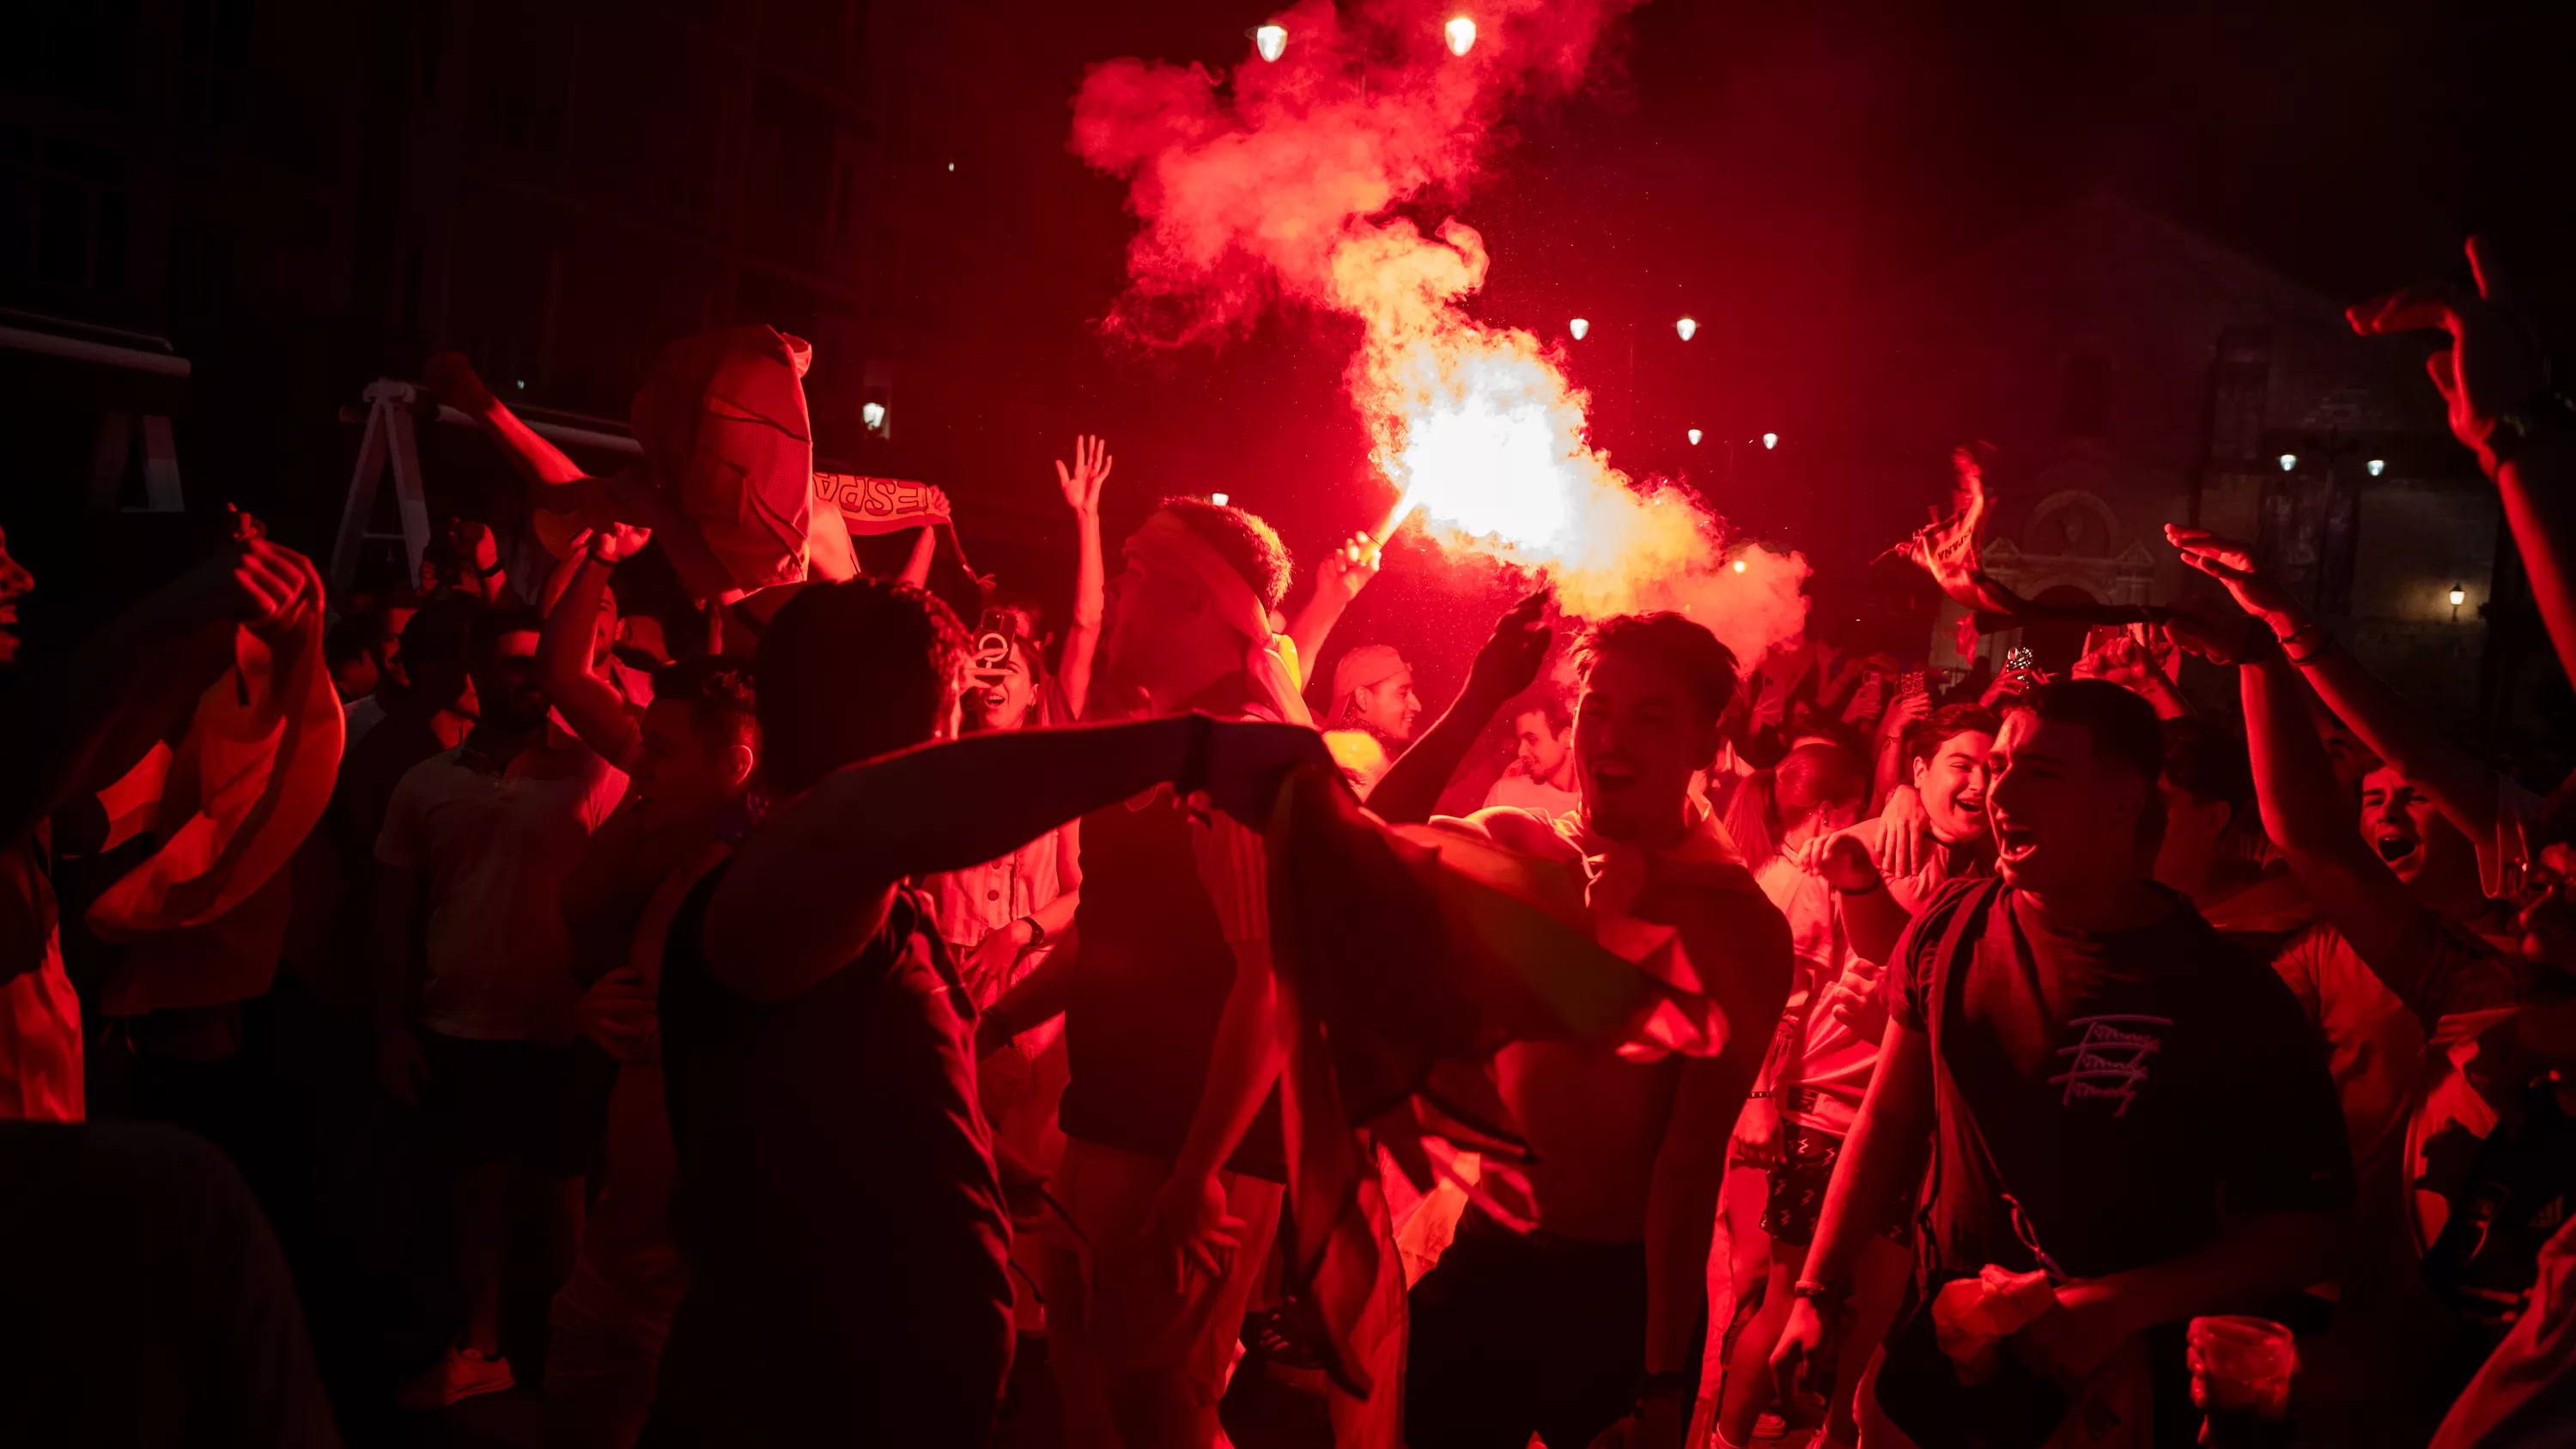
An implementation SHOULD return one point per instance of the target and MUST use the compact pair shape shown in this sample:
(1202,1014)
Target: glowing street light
(2459,596)
(2378,466)
(1738,566)
(1218,499)
(1461,34)
(872,414)
(2289,461)
(1686,327)
(1694,437)
(1578,327)
(1271,41)
(1770,440)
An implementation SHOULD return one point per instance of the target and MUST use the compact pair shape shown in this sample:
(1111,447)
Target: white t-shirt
(495,845)
(361,715)
(1520,792)
(1821,1088)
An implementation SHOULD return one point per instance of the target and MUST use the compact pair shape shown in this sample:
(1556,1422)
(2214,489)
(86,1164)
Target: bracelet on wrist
(1756,1096)
(1037,935)
(1817,1291)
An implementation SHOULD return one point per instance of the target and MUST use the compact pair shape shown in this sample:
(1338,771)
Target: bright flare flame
(1738,566)
(1686,327)
(1694,437)
(1218,499)
(1271,41)
(1770,440)
(1461,33)
(1578,327)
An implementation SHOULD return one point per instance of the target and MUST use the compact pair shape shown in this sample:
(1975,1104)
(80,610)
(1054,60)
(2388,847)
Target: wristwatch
(1037,934)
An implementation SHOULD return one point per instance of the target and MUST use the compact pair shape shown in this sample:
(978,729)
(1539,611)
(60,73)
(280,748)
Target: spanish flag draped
(1406,957)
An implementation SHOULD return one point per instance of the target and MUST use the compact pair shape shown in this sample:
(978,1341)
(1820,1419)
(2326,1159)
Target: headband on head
(1269,657)
(1361,668)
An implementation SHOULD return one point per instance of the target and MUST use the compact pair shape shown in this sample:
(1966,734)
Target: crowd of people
(830,1004)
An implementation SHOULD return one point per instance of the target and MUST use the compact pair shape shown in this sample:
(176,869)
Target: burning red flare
(1279,183)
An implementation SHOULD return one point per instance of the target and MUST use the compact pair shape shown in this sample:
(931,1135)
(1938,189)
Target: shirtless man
(1594,1315)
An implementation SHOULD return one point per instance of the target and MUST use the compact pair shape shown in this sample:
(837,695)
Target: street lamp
(2289,461)
(1218,499)
(1271,41)
(1770,440)
(2378,466)
(1578,327)
(1686,327)
(2459,596)
(1739,566)
(1460,33)
(1694,437)
(873,414)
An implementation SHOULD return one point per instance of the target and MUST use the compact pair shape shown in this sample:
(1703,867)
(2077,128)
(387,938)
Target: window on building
(2085,411)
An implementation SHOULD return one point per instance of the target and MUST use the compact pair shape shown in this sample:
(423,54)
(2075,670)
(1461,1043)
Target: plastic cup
(2242,1364)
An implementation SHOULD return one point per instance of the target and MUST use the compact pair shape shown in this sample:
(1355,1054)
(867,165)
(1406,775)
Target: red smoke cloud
(1280,182)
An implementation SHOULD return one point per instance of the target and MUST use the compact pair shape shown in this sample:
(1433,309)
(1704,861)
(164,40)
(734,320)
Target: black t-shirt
(2126,1086)
(1152,981)
(836,1197)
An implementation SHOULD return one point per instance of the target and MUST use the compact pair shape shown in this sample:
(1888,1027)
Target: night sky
(1772,170)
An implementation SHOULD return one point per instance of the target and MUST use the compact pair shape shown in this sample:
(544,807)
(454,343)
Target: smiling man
(1542,773)
(1593,1314)
(2100,1073)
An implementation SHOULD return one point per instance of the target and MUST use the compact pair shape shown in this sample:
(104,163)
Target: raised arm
(589,703)
(2397,731)
(2308,816)
(2495,383)
(812,884)
(1410,789)
(1873,918)
(1345,571)
(1081,484)
(83,723)
(453,380)
(1873,1186)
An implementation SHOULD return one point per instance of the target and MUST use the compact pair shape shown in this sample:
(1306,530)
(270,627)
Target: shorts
(1517,1334)
(1798,1187)
(489,1100)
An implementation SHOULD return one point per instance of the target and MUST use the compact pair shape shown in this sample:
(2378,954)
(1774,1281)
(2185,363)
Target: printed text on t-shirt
(2110,1062)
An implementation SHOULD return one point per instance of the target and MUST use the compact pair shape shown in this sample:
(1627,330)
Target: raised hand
(453,381)
(1081,482)
(2232,564)
(618,542)
(1509,660)
(268,586)
(1904,834)
(1841,860)
(2495,362)
(2120,659)
(1348,567)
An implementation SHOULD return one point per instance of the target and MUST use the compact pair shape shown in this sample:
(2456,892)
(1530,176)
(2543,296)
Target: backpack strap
(1959,937)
